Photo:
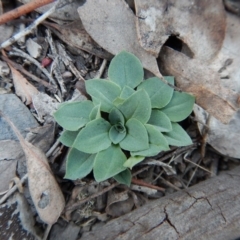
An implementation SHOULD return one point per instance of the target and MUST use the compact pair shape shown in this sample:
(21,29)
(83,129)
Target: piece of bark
(209,210)
(196,77)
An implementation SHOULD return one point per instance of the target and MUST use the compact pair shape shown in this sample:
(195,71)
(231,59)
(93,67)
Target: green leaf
(177,137)
(126,92)
(136,138)
(115,135)
(108,163)
(180,106)
(170,79)
(153,150)
(94,137)
(160,120)
(73,115)
(156,137)
(124,177)
(132,161)
(118,101)
(125,70)
(104,92)
(79,164)
(68,137)
(137,106)
(95,113)
(159,92)
(115,117)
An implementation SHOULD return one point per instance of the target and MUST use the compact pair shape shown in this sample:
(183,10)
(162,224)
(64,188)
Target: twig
(13,189)
(101,69)
(142,183)
(68,62)
(204,136)
(47,231)
(78,204)
(24,9)
(20,53)
(29,29)
(55,65)
(33,77)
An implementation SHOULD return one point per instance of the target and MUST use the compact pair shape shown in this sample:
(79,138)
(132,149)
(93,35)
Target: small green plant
(126,120)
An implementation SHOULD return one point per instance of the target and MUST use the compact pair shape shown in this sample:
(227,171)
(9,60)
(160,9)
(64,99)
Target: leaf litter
(206,66)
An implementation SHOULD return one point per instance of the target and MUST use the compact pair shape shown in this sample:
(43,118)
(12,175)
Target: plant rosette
(126,120)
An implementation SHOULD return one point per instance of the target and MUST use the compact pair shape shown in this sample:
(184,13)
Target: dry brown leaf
(199,24)
(23,88)
(112,25)
(75,36)
(45,192)
(196,77)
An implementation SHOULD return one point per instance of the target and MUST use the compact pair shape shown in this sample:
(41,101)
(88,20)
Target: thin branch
(29,29)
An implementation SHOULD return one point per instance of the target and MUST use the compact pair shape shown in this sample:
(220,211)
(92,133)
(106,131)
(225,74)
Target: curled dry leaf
(112,25)
(45,192)
(196,77)
(199,24)
(23,88)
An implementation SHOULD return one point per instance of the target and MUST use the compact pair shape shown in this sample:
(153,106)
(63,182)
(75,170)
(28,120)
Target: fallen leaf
(23,88)
(225,138)
(119,203)
(194,76)
(75,36)
(199,24)
(112,25)
(45,192)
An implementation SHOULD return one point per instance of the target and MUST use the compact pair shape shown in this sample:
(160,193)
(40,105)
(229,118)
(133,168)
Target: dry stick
(33,77)
(142,183)
(101,69)
(24,9)
(78,204)
(29,28)
(20,53)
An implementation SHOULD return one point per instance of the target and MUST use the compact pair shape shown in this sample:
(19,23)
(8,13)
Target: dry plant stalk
(24,9)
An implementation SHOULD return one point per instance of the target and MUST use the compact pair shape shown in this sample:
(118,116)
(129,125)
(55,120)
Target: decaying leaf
(196,77)
(119,203)
(45,192)
(76,36)
(199,24)
(23,88)
(112,25)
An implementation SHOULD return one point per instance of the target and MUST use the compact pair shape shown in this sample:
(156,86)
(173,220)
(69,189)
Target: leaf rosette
(126,120)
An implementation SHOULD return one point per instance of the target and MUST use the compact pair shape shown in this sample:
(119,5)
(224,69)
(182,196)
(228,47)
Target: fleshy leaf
(156,137)
(126,92)
(116,136)
(118,101)
(79,164)
(94,137)
(124,177)
(159,92)
(180,106)
(68,137)
(177,137)
(73,115)
(126,70)
(95,113)
(104,92)
(137,106)
(132,161)
(115,116)
(160,120)
(108,163)
(136,138)
(170,79)
(153,150)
